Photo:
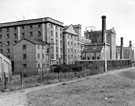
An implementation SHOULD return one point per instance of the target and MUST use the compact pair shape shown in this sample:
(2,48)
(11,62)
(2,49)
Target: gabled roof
(5,58)
(70,29)
(84,40)
(92,49)
(35,42)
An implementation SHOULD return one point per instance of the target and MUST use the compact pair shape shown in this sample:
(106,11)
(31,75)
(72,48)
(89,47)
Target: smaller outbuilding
(5,67)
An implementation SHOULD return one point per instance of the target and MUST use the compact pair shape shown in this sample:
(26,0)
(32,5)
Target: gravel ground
(106,90)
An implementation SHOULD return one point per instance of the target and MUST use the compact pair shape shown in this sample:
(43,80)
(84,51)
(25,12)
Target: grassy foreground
(106,90)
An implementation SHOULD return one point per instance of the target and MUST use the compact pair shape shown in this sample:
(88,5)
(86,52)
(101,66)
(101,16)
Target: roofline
(6,57)
(92,44)
(31,21)
(29,41)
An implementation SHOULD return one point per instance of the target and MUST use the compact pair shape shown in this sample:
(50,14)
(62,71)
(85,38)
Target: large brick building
(46,29)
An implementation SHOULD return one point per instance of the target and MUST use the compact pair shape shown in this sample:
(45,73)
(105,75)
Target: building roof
(100,31)
(84,40)
(5,58)
(31,21)
(70,29)
(35,42)
(92,49)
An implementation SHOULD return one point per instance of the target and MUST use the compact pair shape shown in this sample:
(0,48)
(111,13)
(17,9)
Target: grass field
(106,90)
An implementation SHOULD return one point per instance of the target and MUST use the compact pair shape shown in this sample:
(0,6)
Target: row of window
(8,36)
(38,55)
(31,34)
(93,58)
(72,37)
(7,43)
(72,57)
(8,29)
(7,50)
(38,65)
(31,26)
(56,27)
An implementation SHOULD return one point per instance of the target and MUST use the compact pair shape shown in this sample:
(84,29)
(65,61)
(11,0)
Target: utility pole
(104,41)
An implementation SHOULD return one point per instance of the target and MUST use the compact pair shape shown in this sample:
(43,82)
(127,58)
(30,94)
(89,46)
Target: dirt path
(19,98)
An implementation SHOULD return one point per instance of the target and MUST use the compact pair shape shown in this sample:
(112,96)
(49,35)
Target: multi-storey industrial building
(73,43)
(96,37)
(45,29)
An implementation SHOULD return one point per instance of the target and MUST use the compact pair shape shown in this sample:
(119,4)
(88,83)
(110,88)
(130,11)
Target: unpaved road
(19,98)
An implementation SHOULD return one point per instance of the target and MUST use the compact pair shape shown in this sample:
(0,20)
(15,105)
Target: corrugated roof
(92,49)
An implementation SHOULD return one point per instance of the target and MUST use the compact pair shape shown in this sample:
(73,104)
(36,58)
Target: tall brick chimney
(103,28)
(121,48)
(130,43)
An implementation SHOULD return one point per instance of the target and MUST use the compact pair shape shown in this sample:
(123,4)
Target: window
(0,43)
(24,56)
(56,27)
(56,34)
(98,57)
(1,51)
(15,35)
(0,36)
(68,43)
(68,50)
(22,27)
(38,55)
(8,43)
(24,47)
(7,36)
(31,33)
(38,46)
(43,64)
(51,33)
(38,65)
(43,56)
(71,43)
(15,28)
(30,26)
(39,26)
(39,33)
(23,35)
(0,30)
(93,58)
(15,42)
(56,49)
(7,29)
(8,56)
(61,35)
(51,25)
(8,50)
(42,46)
(24,65)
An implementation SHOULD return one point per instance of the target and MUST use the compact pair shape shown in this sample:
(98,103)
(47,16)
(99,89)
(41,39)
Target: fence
(32,77)
(100,64)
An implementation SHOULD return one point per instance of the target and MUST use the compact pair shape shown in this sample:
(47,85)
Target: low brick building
(31,57)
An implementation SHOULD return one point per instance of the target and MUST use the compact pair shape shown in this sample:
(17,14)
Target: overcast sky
(120,13)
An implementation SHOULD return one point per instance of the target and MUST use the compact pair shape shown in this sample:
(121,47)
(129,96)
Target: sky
(120,14)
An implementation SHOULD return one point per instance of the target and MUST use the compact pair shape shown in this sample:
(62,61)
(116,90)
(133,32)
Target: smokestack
(130,43)
(103,28)
(121,48)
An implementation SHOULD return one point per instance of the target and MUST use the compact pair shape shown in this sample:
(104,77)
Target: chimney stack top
(103,16)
